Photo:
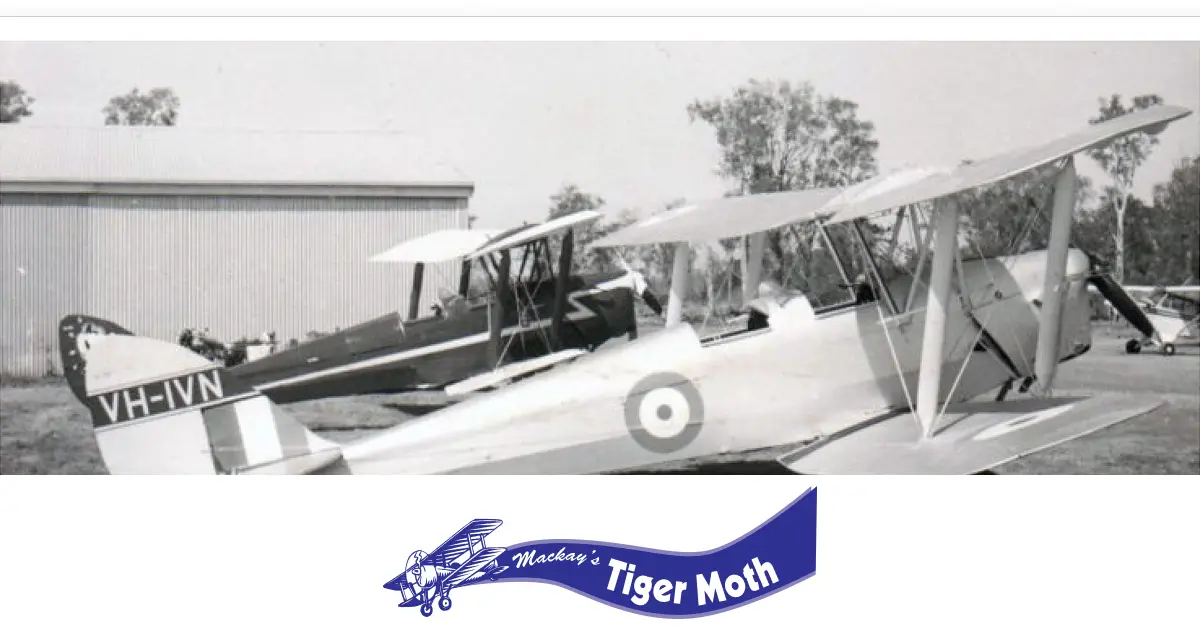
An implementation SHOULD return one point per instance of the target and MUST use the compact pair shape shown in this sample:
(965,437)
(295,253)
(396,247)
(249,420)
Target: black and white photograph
(600,257)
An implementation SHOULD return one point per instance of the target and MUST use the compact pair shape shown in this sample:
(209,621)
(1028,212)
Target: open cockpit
(812,271)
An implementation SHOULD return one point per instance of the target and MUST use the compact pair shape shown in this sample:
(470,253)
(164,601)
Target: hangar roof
(181,160)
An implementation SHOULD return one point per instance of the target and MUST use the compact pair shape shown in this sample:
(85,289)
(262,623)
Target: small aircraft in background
(462,560)
(1174,314)
(884,381)
(513,314)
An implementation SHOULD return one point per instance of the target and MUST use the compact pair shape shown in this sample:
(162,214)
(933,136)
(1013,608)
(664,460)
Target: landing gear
(426,609)
(1133,346)
(444,603)
(1168,349)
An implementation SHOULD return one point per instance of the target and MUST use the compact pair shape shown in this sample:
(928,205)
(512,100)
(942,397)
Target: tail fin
(158,408)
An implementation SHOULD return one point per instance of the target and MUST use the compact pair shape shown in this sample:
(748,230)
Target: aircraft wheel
(1133,346)
(1168,349)
(444,603)
(426,610)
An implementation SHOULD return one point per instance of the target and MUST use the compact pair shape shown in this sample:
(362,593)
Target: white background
(974,552)
(244,552)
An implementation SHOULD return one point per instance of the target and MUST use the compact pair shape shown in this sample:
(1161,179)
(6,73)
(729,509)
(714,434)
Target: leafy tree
(1177,248)
(1013,215)
(1121,159)
(14,102)
(1143,230)
(571,199)
(775,137)
(158,107)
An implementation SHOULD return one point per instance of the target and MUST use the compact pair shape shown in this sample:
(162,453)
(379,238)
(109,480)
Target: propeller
(419,574)
(641,287)
(1118,296)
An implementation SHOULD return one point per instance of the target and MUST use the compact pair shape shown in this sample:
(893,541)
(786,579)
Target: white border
(593,28)
(631,8)
(954,553)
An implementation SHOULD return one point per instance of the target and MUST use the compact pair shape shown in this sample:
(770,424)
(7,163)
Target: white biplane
(886,381)
(462,560)
(1174,314)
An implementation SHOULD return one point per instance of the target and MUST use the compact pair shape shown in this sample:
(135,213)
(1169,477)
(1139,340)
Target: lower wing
(511,371)
(975,436)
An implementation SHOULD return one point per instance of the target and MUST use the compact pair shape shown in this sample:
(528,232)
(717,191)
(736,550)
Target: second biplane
(515,312)
(882,381)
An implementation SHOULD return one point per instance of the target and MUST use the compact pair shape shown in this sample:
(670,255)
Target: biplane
(514,313)
(896,380)
(1173,313)
(462,560)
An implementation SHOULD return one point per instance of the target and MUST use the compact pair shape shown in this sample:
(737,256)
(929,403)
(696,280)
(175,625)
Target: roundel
(664,412)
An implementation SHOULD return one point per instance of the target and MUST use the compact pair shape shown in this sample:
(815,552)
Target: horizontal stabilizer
(977,436)
(510,371)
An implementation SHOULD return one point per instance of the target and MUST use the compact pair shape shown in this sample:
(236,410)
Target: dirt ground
(43,430)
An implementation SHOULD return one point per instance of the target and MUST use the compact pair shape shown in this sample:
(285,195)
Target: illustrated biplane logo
(779,553)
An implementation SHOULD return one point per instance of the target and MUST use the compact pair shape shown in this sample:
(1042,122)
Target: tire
(444,603)
(1133,346)
(1168,349)
(426,610)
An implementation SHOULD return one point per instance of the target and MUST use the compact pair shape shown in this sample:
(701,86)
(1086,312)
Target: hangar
(162,228)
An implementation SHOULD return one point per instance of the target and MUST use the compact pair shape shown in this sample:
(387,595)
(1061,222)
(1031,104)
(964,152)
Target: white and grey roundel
(664,412)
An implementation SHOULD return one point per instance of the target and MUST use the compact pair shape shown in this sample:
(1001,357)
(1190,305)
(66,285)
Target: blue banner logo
(777,554)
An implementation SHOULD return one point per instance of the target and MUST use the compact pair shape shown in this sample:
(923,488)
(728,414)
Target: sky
(522,119)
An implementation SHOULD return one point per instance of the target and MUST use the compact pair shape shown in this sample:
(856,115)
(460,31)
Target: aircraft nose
(1029,270)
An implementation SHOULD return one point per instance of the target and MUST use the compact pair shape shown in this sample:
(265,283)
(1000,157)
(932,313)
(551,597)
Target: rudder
(158,408)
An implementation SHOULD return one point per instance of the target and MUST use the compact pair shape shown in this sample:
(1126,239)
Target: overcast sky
(521,119)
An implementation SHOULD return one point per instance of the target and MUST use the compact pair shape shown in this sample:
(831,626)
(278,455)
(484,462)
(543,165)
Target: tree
(1178,246)
(14,102)
(158,107)
(1121,159)
(1143,229)
(776,137)
(569,200)
(1013,215)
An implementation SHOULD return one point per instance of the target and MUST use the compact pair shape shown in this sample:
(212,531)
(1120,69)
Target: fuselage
(389,355)
(804,375)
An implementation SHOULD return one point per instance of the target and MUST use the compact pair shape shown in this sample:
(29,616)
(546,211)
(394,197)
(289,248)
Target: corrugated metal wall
(238,265)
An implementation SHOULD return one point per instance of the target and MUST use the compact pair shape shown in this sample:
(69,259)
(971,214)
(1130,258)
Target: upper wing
(457,544)
(866,200)
(737,216)
(534,232)
(722,218)
(976,436)
(436,247)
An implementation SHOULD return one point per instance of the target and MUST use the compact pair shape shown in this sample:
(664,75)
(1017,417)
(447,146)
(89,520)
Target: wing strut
(560,289)
(680,267)
(1055,287)
(936,309)
(464,279)
(752,262)
(414,298)
(496,314)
